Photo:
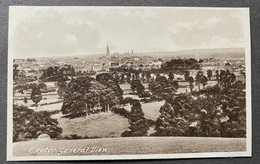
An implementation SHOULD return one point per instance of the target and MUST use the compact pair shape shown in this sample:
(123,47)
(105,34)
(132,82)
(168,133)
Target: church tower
(108,53)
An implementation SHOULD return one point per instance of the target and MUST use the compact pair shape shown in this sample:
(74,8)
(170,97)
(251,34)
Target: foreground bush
(76,137)
(28,124)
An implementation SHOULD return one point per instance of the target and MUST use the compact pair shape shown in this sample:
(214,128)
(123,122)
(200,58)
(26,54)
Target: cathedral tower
(108,53)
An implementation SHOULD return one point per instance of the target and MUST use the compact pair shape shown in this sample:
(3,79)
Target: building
(97,67)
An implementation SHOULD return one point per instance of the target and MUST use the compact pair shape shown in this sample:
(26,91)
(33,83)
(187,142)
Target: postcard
(105,83)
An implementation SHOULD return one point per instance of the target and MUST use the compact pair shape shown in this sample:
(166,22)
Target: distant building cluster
(33,68)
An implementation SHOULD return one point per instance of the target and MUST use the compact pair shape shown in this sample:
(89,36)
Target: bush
(126,134)
(155,98)
(233,129)
(145,94)
(73,137)
(126,100)
(120,111)
(76,136)
(28,124)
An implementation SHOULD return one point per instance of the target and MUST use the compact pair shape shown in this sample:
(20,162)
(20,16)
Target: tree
(191,81)
(175,85)
(15,71)
(226,78)
(181,64)
(25,100)
(50,71)
(28,124)
(186,75)
(143,77)
(204,81)
(217,74)
(168,124)
(171,76)
(137,75)
(198,78)
(108,80)
(163,87)
(62,84)
(148,76)
(209,74)
(137,86)
(36,95)
(85,95)
(138,124)
(43,86)
(122,79)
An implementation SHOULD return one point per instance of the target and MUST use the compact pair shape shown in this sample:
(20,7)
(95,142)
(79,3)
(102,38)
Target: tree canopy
(85,95)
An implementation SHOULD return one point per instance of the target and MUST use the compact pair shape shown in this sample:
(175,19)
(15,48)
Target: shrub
(126,134)
(76,136)
(145,94)
(233,129)
(73,137)
(126,100)
(120,111)
(28,124)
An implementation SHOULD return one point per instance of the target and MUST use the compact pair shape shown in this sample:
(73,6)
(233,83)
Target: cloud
(50,31)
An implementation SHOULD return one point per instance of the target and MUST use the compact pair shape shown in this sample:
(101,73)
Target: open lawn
(132,145)
(50,102)
(50,107)
(151,110)
(95,125)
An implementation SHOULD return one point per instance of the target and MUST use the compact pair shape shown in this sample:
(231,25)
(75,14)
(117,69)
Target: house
(97,67)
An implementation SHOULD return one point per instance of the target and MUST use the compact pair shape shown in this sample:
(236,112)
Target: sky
(71,31)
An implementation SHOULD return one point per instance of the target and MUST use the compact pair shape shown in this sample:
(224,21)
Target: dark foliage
(54,73)
(210,112)
(181,64)
(111,82)
(136,86)
(36,95)
(162,87)
(85,95)
(120,111)
(28,124)
(138,124)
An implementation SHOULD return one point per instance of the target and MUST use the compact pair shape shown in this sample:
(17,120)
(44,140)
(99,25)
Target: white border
(247,153)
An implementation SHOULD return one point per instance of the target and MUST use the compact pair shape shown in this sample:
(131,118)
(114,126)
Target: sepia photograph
(105,83)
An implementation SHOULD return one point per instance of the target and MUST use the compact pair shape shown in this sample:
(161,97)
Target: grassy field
(133,145)
(51,97)
(95,125)
(151,110)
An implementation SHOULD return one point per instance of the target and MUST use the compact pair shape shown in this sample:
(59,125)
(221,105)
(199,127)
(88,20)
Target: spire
(107,50)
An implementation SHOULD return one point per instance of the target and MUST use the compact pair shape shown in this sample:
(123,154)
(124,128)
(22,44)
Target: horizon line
(130,53)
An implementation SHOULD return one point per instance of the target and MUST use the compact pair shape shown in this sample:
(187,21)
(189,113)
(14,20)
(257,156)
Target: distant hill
(219,53)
